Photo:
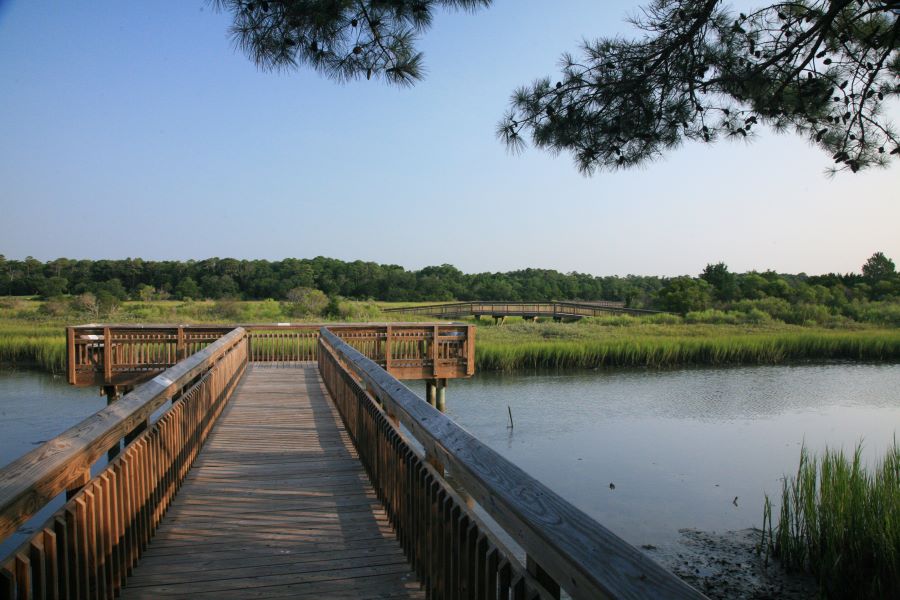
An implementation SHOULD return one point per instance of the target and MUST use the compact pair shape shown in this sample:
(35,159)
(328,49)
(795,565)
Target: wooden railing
(522,309)
(453,552)
(87,547)
(124,355)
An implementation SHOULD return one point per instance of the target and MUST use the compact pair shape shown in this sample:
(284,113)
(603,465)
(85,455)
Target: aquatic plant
(841,523)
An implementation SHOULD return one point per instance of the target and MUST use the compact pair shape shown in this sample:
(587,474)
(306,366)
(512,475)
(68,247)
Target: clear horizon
(138,131)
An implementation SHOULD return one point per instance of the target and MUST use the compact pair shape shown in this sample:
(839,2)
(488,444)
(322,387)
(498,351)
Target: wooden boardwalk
(276,505)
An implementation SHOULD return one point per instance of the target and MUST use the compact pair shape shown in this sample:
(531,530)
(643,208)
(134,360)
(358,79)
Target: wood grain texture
(585,558)
(29,482)
(277,504)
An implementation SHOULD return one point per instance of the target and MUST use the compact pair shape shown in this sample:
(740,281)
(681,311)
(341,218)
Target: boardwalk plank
(277,504)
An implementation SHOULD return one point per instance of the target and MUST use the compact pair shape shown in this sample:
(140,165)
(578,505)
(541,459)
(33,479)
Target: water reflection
(679,446)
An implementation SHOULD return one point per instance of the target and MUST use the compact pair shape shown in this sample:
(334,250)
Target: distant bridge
(558,311)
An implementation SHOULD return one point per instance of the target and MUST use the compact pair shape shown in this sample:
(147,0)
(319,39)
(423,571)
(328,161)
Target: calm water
(35,407)
(678,445)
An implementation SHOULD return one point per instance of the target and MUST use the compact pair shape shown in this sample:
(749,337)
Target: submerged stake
(510,426)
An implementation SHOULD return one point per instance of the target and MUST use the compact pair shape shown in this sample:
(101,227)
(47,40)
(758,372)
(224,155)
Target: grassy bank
(635,343)
(32,334)
(841,523)
(39,345)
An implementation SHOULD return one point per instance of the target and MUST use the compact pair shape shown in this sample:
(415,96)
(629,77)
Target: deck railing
(87,547)
(522,309)
(127,354)
(453,552)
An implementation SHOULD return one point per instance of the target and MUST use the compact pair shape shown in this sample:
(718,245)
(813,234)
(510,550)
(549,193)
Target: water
(35,407)
(679,446)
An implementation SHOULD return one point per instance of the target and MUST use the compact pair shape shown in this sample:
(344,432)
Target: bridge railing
(128,354)
(528,309)
(87,547)
(453,552)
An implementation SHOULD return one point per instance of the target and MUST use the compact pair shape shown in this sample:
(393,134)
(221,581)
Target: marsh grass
(566,346)
(43,346)
(841,523)
(29,336)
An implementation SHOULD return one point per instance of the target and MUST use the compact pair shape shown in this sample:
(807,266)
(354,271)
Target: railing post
(70,354)
(107,355)
(179,345)
(470,350)
(387,349)
(434,353)
(78,482)
(541,576)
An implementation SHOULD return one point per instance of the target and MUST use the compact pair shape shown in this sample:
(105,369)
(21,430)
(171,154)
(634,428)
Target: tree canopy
(824,69)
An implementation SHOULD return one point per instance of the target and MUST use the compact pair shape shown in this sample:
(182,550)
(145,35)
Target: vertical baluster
(24,587)
(36,561)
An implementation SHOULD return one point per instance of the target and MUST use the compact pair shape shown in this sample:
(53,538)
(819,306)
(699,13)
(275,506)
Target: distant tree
(305,302)
(684,294)
(187,288)
(878,267)
(146,293)
(724,283)
(822,68)
(53,287)
(86,303)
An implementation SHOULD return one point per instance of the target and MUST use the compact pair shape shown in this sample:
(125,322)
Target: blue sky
(135,129)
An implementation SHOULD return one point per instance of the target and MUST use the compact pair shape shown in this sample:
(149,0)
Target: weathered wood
(305,520)
(588,560)
(32,480)
(126,355)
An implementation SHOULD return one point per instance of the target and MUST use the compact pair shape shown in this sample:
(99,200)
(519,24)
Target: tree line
(715,288)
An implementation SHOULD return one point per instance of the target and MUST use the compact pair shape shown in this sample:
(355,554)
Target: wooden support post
(441,400)
(112,394)
(434,352)
(542,577)
(470,350)
(107,355)
(70,354)
(179,345)
(431,391)
(387,349)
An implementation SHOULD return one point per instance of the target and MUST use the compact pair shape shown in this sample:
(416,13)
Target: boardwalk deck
(277,504)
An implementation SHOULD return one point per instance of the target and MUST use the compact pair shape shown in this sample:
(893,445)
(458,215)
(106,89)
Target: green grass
(43,346)
(841,523)
(29,335)
(614,343)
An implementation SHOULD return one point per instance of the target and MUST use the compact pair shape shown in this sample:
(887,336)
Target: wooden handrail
(550,308)
(124,355)
(565,545)
(32,480)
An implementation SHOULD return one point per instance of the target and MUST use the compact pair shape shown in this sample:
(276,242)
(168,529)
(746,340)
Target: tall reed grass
(841,523)
(676,350)
(44,347)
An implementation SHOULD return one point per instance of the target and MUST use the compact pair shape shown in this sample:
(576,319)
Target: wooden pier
(276,505)
(247,472)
